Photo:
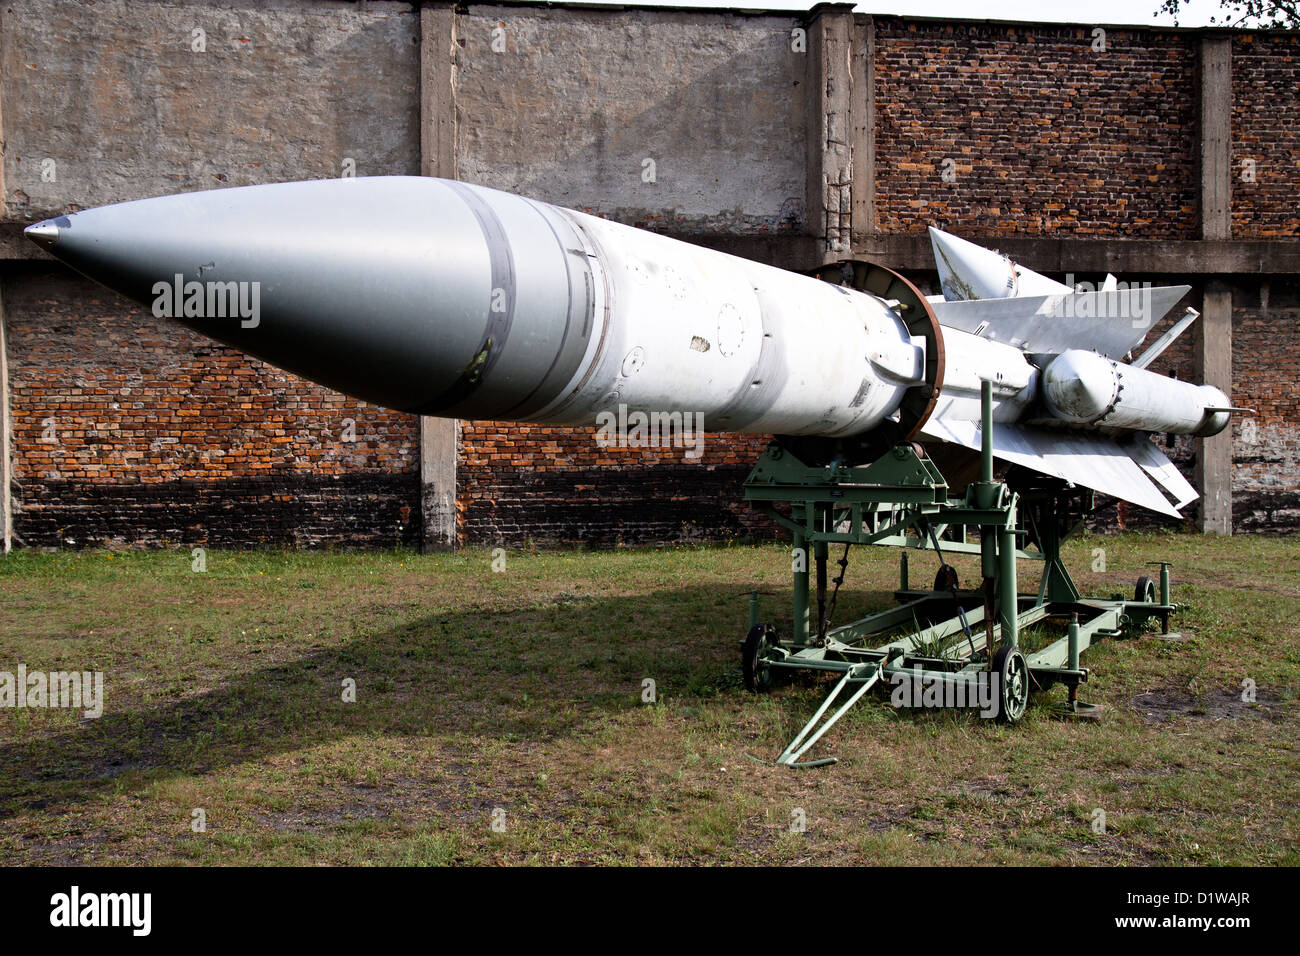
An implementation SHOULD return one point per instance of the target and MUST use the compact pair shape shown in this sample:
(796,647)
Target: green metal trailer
(962,644)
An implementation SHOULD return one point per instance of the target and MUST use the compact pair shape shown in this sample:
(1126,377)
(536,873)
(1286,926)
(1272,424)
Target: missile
(444,298)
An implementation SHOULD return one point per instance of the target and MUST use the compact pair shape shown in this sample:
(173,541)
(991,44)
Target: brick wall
(132,429)
(1265,130)
(518,482)
(1266,378)
(1045,135)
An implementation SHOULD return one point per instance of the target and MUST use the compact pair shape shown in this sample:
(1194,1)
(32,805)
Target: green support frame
(960,639)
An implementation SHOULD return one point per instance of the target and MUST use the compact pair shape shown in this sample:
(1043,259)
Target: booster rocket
(444,298)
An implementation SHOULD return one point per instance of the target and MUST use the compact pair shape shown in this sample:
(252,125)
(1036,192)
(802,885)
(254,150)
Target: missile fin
(1161,470)
(1029,283)
(1157,348)
(1111,323)
(968,271)
(1091,460)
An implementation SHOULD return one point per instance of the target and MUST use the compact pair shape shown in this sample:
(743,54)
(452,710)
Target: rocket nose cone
(407,292)
(1080,386)
(45,234)
(296,274)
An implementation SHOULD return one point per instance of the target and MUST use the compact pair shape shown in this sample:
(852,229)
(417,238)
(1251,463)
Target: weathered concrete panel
(578,100)
(115,96)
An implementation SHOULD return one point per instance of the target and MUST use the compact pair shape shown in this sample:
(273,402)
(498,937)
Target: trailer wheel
(1145,591)
(1013,684)
(946,578)
(758,675)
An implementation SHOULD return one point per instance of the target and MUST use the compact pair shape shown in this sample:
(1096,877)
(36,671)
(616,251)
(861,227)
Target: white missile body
(741,343)
(444,298)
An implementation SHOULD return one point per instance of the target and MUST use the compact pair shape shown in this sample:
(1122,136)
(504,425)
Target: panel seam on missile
(522,407)
(596,280)
(502,270)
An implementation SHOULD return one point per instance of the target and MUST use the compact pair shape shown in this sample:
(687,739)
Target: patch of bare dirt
(1163,704)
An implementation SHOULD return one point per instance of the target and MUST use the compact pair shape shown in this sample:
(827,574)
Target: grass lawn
(515,697)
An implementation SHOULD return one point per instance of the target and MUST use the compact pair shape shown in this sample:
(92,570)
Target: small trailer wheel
(1014,682)
(758,675)
(1145,591)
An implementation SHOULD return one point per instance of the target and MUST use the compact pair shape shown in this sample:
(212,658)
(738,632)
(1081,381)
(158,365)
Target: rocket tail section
(1133,470)
(1066,405)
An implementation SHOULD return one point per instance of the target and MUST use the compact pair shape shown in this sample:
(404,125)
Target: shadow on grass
(545,671)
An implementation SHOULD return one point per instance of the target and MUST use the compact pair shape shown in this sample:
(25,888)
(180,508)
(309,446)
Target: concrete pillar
(863,111)
(1216,137)
(1214,336)
(6,447)
(438,90)
(439,444)
(829,85)
(1214,367)
(439,437)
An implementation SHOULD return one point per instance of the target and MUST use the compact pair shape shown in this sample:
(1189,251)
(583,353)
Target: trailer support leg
(867,675)
(1008,602)
(800,623)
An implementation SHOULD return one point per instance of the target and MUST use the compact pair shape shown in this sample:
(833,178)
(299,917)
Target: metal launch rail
(967,639)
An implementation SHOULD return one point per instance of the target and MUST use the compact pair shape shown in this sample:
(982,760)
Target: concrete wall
(577,103)
(114,95)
